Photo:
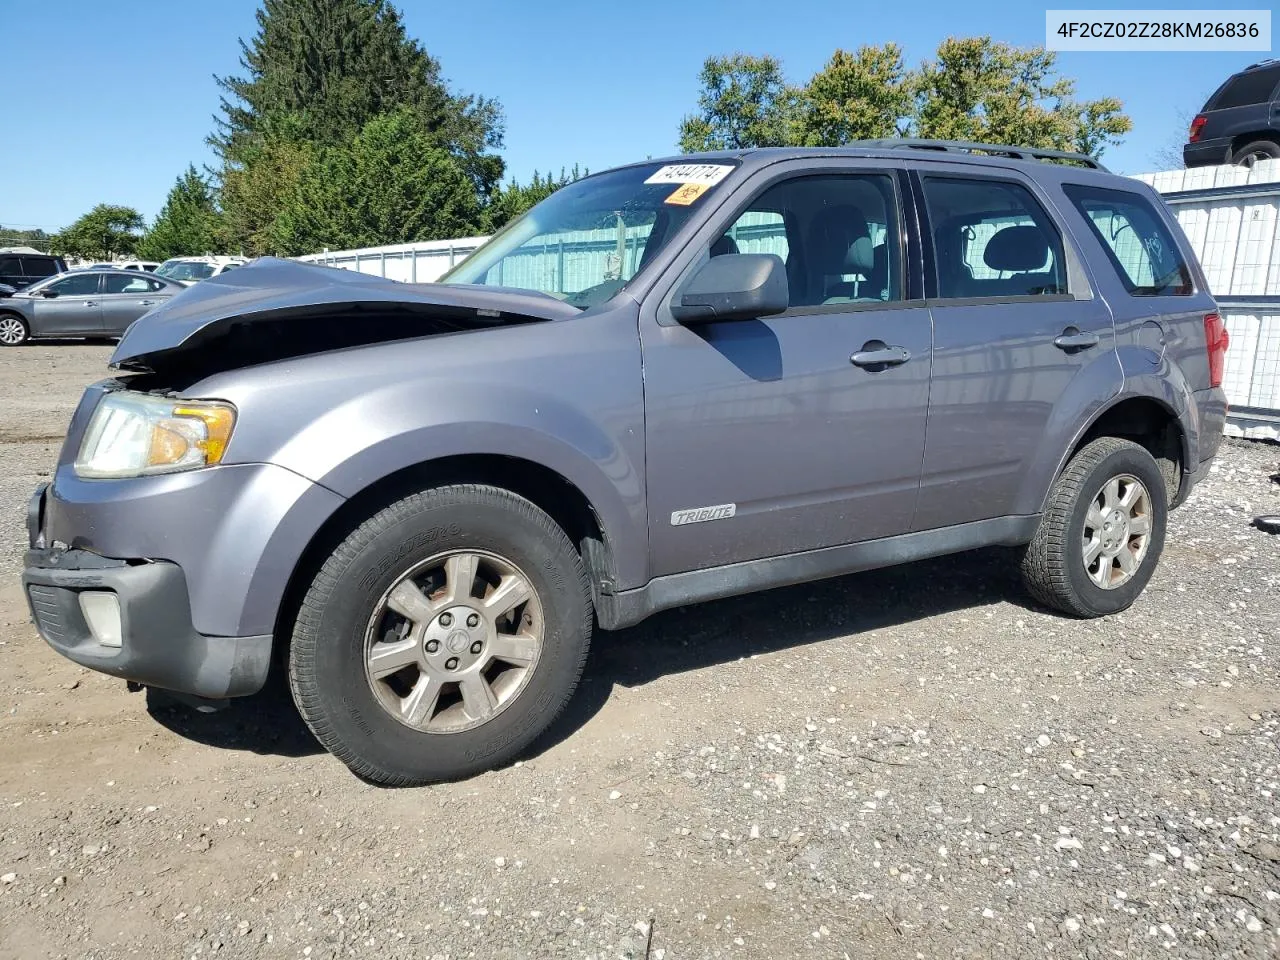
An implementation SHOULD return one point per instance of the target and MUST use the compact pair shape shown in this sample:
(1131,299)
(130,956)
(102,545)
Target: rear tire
(1251,153)
(470,674)
(13,330)
(1094,553)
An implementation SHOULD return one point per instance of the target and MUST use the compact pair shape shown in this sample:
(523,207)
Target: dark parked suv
(1240,123)
(669,382)
(19,269)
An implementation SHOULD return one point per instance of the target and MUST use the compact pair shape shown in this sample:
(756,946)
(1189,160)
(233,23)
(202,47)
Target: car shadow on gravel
(704,635)
(265,723)
(688,638)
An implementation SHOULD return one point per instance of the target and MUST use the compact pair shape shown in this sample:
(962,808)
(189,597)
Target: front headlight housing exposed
(136,434)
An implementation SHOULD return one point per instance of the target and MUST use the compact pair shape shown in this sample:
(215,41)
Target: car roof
(758,157)
(206,259)
(107,271)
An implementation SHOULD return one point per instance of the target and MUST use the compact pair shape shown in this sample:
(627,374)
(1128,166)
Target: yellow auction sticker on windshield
(687,193)
(708,174)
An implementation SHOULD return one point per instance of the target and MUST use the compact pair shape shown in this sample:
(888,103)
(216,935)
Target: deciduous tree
(105,231)
(976,88)
(982,89)
(856,96)
(745,102)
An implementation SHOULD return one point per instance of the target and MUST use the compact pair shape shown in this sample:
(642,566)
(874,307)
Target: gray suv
(669,382)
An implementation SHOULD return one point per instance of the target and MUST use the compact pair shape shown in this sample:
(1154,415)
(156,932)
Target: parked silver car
(82,303)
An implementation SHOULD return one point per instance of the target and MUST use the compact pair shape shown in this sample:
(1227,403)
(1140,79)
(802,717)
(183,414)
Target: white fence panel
(423,262)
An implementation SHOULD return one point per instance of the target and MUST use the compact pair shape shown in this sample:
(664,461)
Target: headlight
(132,434)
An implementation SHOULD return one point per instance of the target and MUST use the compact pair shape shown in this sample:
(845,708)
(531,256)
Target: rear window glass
(40,266)
(119,283)
(1256,86)
(1137,242)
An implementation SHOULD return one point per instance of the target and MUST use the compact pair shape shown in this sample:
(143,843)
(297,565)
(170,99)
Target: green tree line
(976,88)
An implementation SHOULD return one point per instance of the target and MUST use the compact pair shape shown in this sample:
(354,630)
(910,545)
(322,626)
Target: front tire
(1102,531)
(442,636)
(13,330)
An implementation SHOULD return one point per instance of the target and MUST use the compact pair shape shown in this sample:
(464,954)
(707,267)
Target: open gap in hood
(277,309)
(244,343)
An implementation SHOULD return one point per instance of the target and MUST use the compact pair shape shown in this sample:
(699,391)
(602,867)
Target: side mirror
(46,292)
(734,286)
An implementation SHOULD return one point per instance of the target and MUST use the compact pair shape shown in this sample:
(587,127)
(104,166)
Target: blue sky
(131,92)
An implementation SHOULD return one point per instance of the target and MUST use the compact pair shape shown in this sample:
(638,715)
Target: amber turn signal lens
(218,421)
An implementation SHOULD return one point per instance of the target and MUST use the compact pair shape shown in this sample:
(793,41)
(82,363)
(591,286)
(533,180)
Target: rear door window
(992,239)
(1138,244)
(118,283)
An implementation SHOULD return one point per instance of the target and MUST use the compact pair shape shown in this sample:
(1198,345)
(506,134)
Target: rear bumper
(1211,414)
(1207,153)
(158,646)
(1190,478)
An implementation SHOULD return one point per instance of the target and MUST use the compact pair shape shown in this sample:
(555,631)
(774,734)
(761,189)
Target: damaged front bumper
(132,619)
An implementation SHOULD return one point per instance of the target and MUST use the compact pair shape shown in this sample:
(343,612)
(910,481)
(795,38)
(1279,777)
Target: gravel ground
(908,763)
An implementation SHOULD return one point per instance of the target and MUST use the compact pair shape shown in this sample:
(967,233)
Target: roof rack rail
(965,146)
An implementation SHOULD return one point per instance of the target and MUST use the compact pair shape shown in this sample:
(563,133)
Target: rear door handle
(1073,339)
(91,303)
(146,303)
(877,354)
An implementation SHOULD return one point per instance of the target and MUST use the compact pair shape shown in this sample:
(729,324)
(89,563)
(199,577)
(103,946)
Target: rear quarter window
(1139,245)
(40,266)
(1247,89)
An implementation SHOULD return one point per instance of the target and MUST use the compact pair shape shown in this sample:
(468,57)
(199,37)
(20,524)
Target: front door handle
(1072,339)
(91,303)
(877,355)
(146,303)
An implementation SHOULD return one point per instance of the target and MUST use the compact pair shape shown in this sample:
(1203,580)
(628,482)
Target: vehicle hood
(285,294)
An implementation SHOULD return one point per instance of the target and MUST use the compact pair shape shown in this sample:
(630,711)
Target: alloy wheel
(12,331)
(454,641)
(1117,531)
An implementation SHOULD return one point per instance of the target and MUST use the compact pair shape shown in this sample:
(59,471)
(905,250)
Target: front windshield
(587,240)
(185,270)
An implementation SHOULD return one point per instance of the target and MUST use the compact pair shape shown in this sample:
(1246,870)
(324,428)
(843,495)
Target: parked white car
(189,270)
(147,265)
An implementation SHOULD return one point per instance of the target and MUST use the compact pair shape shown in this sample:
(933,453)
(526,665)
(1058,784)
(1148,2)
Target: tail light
(1216,340)
(1196,126)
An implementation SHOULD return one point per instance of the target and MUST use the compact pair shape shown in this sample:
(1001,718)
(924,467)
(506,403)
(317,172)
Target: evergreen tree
(393,184)
(187,224)
(314,75)
(515,198)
